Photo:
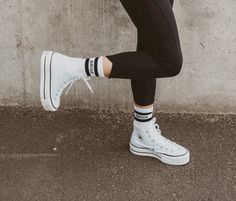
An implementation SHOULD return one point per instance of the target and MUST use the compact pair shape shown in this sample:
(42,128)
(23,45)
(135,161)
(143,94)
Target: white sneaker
(149,142)
(57,72)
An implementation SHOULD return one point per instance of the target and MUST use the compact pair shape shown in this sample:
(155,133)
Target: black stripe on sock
(142,113)
(87,67)
(143,120)
(96,66)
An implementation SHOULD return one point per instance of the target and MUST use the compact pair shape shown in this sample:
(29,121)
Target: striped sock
(143,115)
(94,66)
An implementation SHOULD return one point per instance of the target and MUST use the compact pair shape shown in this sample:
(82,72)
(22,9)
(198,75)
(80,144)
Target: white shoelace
(85,80)
(158,135)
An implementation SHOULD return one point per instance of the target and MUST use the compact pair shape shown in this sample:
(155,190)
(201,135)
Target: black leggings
(158,52)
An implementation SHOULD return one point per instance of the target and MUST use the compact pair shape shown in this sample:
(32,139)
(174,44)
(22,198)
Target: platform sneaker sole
(170,160)
(45,81)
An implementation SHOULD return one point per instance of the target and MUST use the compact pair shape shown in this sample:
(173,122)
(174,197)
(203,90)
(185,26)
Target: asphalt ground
(84,155)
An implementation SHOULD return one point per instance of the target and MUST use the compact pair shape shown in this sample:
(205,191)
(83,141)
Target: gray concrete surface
(84,155)
(100,27)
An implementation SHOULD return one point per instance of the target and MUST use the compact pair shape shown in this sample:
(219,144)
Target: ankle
(107,66)
(143,114)
(146,106)
(93,66)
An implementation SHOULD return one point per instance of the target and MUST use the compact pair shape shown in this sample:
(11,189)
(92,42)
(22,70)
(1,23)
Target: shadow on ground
(84,155)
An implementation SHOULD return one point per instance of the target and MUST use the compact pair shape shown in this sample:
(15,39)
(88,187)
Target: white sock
(143,116)
(94,66)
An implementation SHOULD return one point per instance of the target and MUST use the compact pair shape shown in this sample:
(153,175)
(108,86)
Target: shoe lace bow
(158,137)
(84,79)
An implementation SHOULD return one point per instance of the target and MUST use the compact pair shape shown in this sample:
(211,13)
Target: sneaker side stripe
(96,66)
(145,153)
(44,78)
(157,152)
(51,81)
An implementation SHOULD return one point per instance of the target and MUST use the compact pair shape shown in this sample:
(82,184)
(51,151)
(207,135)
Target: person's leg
(162,56)
(143,90)
(140,47)
(159,54)
(146,139)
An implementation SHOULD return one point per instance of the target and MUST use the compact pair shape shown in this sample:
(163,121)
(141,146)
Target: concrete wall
(87,28)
